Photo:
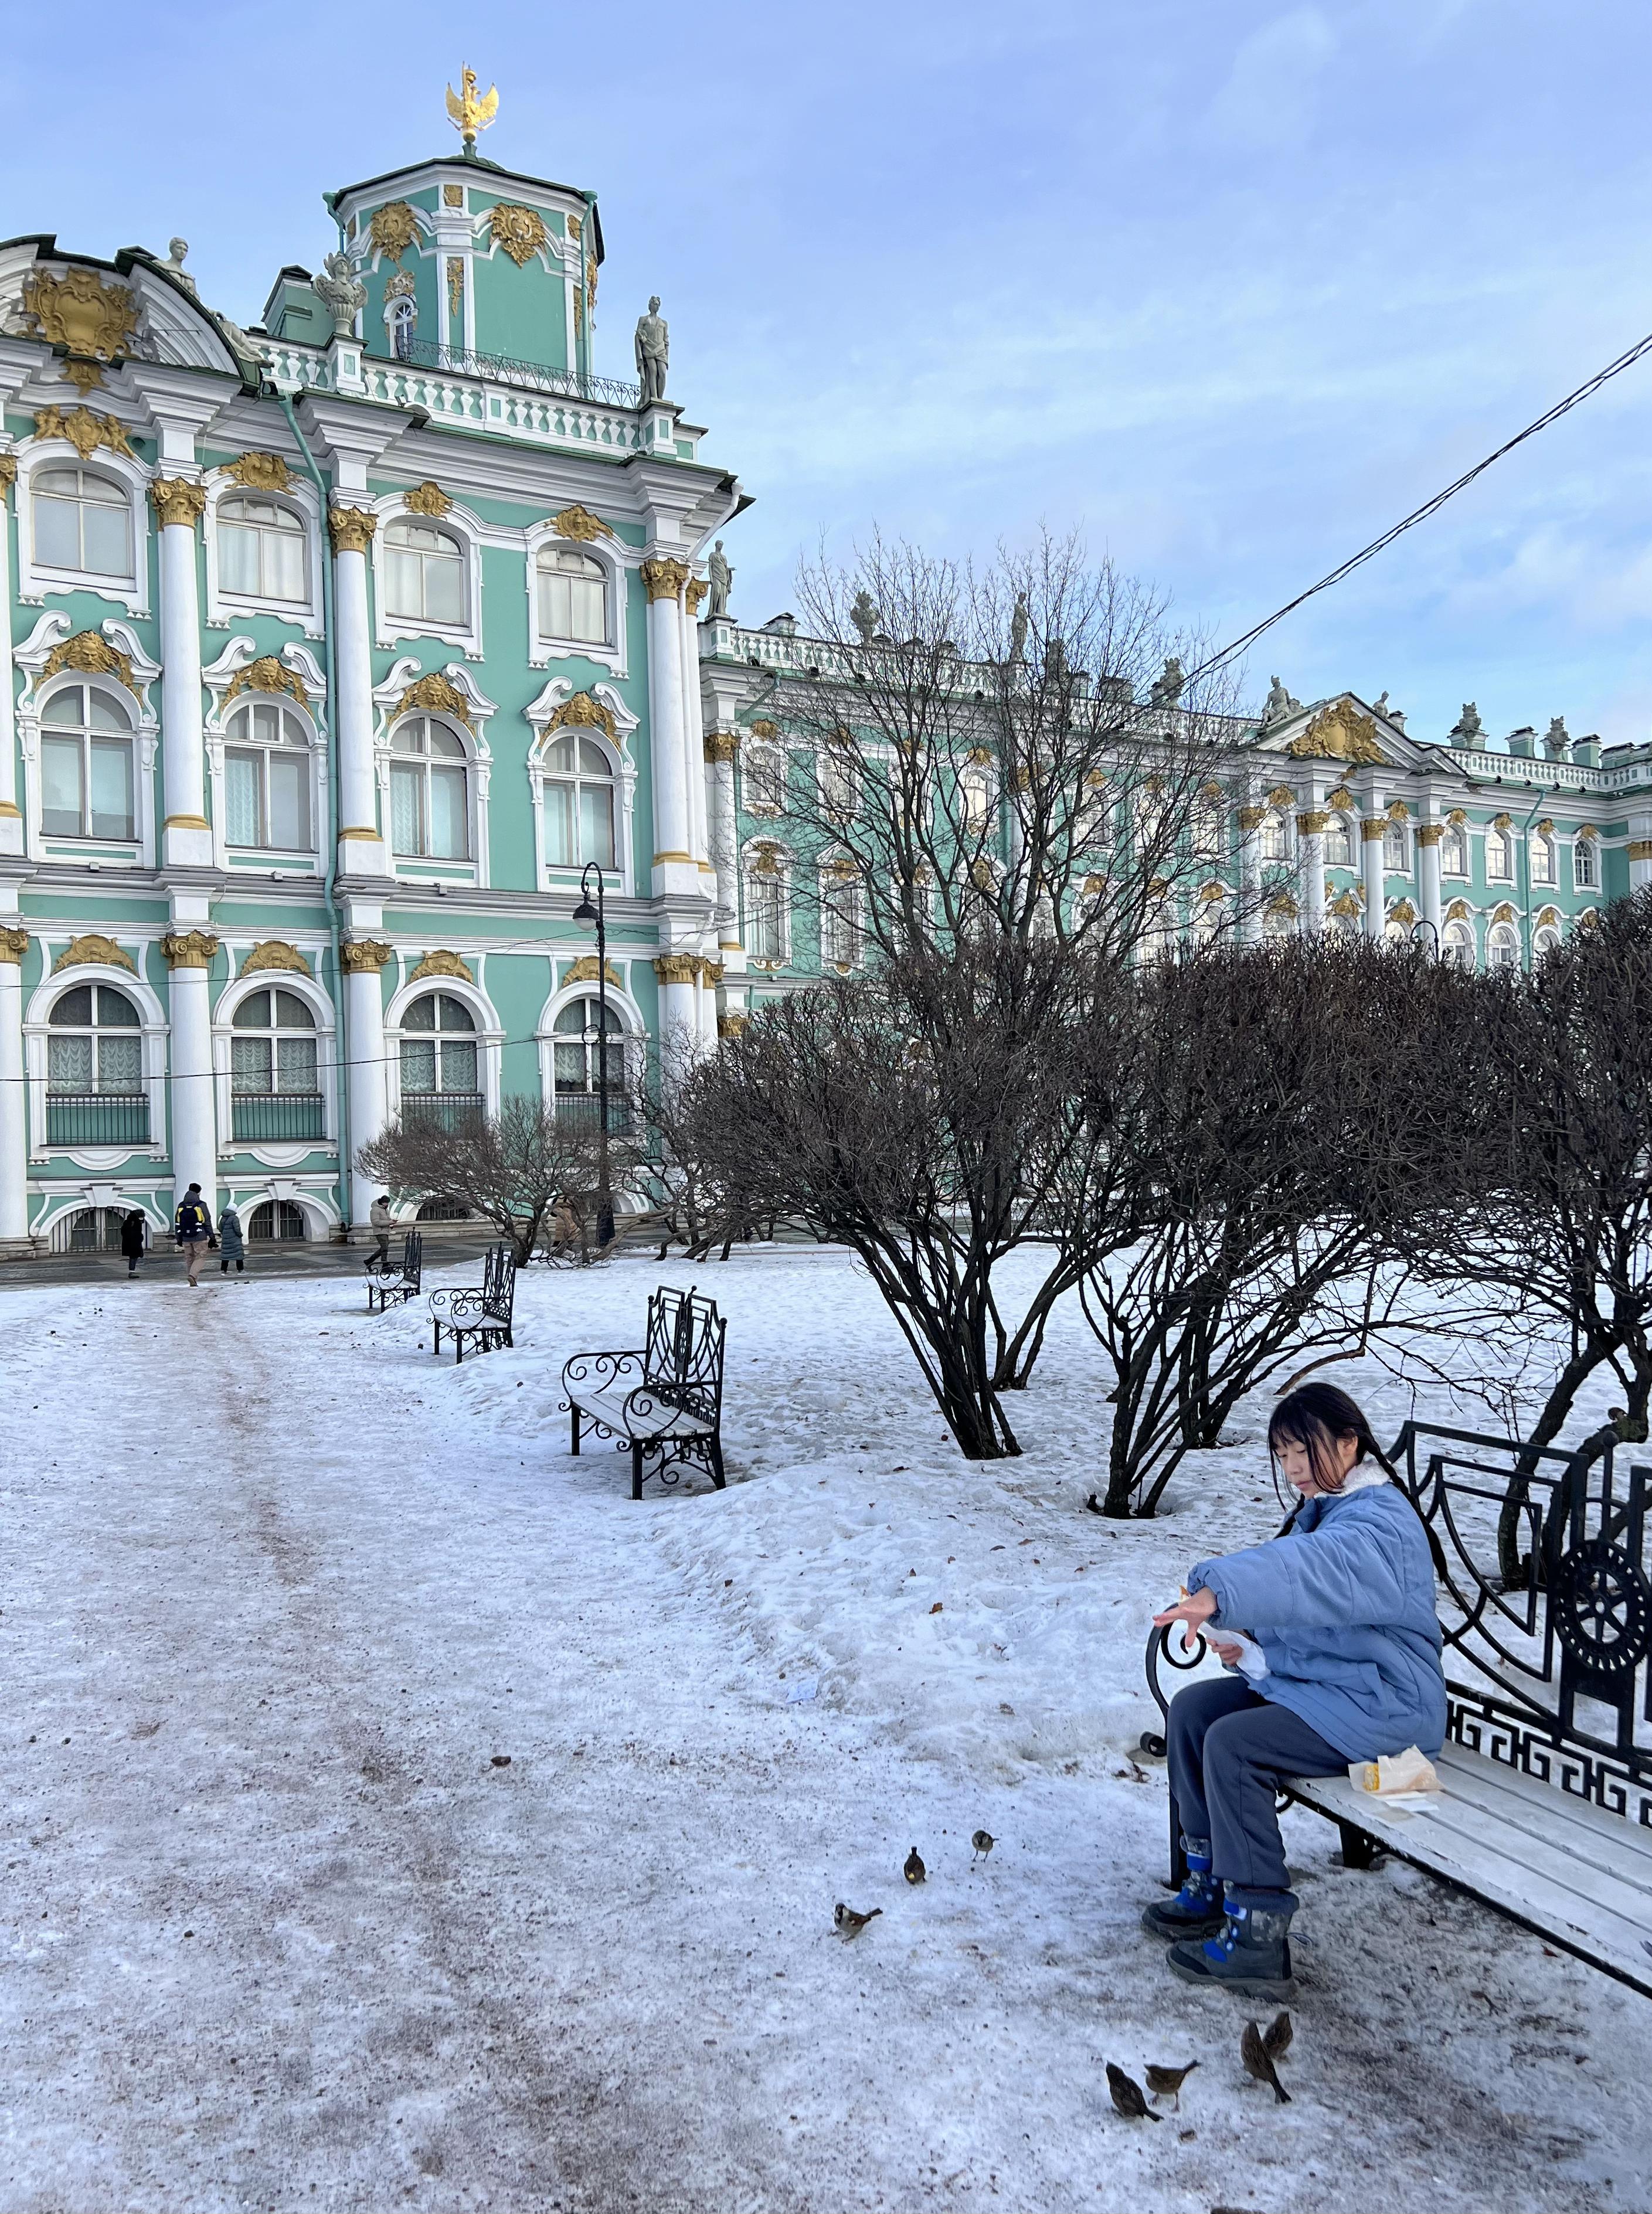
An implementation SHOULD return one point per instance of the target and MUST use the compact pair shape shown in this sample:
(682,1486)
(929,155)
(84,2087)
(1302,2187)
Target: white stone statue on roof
(653,353)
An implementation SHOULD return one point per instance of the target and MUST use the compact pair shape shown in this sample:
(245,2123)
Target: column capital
(1373,827)
(722,745)
(693,591)
(1640,849)
(359,955)
(664,578)
(729,1026)
(352,528)
(13,943)
(676,968)
(7,472)
(1429,833)
(1312,822)
(189,949)
(179,503)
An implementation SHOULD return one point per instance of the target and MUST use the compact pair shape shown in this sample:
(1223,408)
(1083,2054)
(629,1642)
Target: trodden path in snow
(277,1593)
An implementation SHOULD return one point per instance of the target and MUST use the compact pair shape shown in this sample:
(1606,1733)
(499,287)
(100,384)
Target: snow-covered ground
(279,1590)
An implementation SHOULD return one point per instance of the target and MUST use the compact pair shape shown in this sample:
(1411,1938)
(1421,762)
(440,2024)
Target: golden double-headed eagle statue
(471,111)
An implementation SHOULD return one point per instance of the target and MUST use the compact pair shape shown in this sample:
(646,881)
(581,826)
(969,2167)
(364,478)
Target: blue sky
(1229,285)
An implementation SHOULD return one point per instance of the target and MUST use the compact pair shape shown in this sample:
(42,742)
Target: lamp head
(585,912)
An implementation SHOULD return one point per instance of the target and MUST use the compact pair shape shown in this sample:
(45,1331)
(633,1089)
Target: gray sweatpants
(1228,1750)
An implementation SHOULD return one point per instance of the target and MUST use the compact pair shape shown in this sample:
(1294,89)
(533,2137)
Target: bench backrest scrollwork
(412,1258)
(499,1282)
(683,1360)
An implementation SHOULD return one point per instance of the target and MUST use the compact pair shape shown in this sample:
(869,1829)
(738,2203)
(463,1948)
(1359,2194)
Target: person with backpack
(193,1228)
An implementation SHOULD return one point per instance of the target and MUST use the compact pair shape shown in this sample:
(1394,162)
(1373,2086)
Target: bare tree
(513,1169)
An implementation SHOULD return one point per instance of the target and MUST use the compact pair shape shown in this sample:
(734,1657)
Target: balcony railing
(581,1109)
(534,375)
(445,1111)
(280,1118)
(97,1118)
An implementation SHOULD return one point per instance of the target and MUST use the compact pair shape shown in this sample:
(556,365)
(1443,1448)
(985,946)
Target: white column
(1250,820)
(191,1085)
(1639,851)
(1311,829)
(13,1147)
(365,1078)
(361,849)
(1428,875)
(693,732)
(721,750)
(11,816)
(675,869)
(1372,828)
(187,840)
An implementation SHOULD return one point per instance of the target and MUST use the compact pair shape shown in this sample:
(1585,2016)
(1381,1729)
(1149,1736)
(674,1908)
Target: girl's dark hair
(1314,1416)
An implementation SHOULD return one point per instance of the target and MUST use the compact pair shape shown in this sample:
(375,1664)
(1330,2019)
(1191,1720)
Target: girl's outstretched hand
(1193,1609)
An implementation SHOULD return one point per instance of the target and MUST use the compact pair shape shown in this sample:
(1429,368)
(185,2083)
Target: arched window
(430,809)
(975,797)
(1457,946)
(767,913)
(839,921)
(1546,940)
(1453,855)
(276,1221)
(572,596)
(87,781)
(840,786)
(763,776)
(1540,858)
(274,1081)
(1339,843)
(1499,855)
(423,574)
(1279,922)
(1396,847)
(83,522)
(1275,844)
(1586,865)
(579,1042)
(441,1080)
(1503,946)
(404,318)
(261,549)
(1209,826)
(266,779)
(95,1069)
(89,1230)
(579,803)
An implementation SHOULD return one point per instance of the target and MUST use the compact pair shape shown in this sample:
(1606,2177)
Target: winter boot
(1251,1954)
(1196,1910)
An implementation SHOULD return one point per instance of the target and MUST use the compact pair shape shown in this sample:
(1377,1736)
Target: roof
(466,163)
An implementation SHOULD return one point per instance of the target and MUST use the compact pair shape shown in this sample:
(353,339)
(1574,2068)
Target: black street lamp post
(590,911)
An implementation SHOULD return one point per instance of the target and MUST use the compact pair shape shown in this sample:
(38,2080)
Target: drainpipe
(341,1059)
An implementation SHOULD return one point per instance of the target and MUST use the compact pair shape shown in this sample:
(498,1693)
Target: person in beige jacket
(381,1222)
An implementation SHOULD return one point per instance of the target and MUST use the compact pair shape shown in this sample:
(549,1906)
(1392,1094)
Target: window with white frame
(1396,847)
(1453,855)
(579,803)
(976,798)
(274,1055)
(1499,855)
(1586,865)
(439,1060)
(1540,858)
(839,920)
(766,917)
(266,779)
(430,794)
(580,1046)
(1546,940)
(839,783)
(763,770)
(1275,842)
(423,574)
(1209,825)
(93,1043)
(404,319)
(572,596)
(87,780)
(261,549)
(1457,946)
(83,522)
(1503,946)
(1339,843)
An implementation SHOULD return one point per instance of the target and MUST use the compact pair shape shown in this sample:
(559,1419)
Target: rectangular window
(295,1065)
(418,1064)
(108,551)
(596,824)
(458,1065)
(249,1066)
(241,798)
(57,532)
(402,581)
(290,802)
(60,793)
(448,840)
(406,809)
(68,1064)
(119,1064)
(558,825)
(111,792)
(283,564)
(444,591)
(568,1062)
(237,559)
(763,918)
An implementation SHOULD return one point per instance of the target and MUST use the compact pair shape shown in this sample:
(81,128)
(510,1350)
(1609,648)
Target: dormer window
(423,574)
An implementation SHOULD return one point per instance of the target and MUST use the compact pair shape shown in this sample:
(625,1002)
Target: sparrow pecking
(983,1841)
(912,1867)
(1257,2063)
(1277,2037)
(849,1922)
(1127,2096)
(1166,2083)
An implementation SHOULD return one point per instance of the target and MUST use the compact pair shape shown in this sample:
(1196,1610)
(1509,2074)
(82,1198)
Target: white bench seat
(1577,1875)
(655,1419)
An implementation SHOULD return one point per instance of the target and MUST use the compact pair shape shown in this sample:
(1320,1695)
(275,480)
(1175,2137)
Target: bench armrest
(600,1370)
(458,1299)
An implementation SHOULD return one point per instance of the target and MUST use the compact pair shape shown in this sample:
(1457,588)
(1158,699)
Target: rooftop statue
(653,353)
(470,111)
(864,615)
(1279,704)
(341,292)
(177,249)
(1168,686)
(1018,628)
(1468,729)
(720,578)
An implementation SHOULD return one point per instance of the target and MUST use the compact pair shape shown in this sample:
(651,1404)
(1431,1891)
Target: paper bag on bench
(1400,1783)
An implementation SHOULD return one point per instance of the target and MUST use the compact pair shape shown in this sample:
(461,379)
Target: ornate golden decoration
(1545,829)
(579,523)
(178,503)
(1429,833)
(590,282)
(90,652)
(1346,903)
(352,528)
(189,949)
(1502,822)
(469,110)
(1212,891)
(1457,818)
(14,943)
(722,746)
(1342,798)
(578,316)
(520,231)
(665,578)
(426,498)
(766,860)
(260,473)
(729,1026)
(85,431)
(1282,903)
(762,728)
(583,971)
(1548,918)
(676,968)
(583,712)
(1458,911)
(8,472)
(437,695)
(1372,827)
(275,953)
(441,963)
(455,282)
(267,674)
(74,310)
(1313,821)
(575,227)
(93,948)
(393,228)
(1399,811)
(85,375)
(187,822)
(1588,830)
(1252,818)
(693,591)
(1281,796)
(363,956)
(1403,912)
(1640,849)
(453,196)
(1505,913)
(711,972)
(1339,733)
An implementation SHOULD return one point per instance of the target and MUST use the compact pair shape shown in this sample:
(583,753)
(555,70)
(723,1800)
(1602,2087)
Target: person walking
(1339,1660)
(381,1222)
(131,1239)
(231,1245)
(193,1228)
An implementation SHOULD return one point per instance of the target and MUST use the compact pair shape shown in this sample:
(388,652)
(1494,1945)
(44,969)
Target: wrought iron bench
(1545,1808)
(481,1312)
(385,1285)
(664,1400)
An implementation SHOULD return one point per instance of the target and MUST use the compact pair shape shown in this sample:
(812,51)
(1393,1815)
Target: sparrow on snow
(1166,2083)
(912,1867)
(1259,2063)
(1277,2037)
(849,1922)
(1127,2096)
(983,1841)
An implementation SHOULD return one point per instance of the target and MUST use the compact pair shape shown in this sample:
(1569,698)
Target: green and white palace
(334,650)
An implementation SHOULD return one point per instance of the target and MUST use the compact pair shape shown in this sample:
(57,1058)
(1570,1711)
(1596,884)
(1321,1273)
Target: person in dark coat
(231,1245)
(131,1239)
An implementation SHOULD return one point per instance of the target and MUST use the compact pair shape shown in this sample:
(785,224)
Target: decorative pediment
(583,971)
(1458,911)
(85,431)
(79,311)
(426,498)
(436,696)
(441,963)
(583,712)
(449,691)
(1340,799)
(1339,733)
(267,674)
(1505,913)
(275,953)
(598,707)
(578,522)
(1402,911)
(92,950)
(90,652)
(1281,796)
(259,472)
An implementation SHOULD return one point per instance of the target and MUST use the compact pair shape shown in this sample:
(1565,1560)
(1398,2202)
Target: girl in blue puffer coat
(1333,1656)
